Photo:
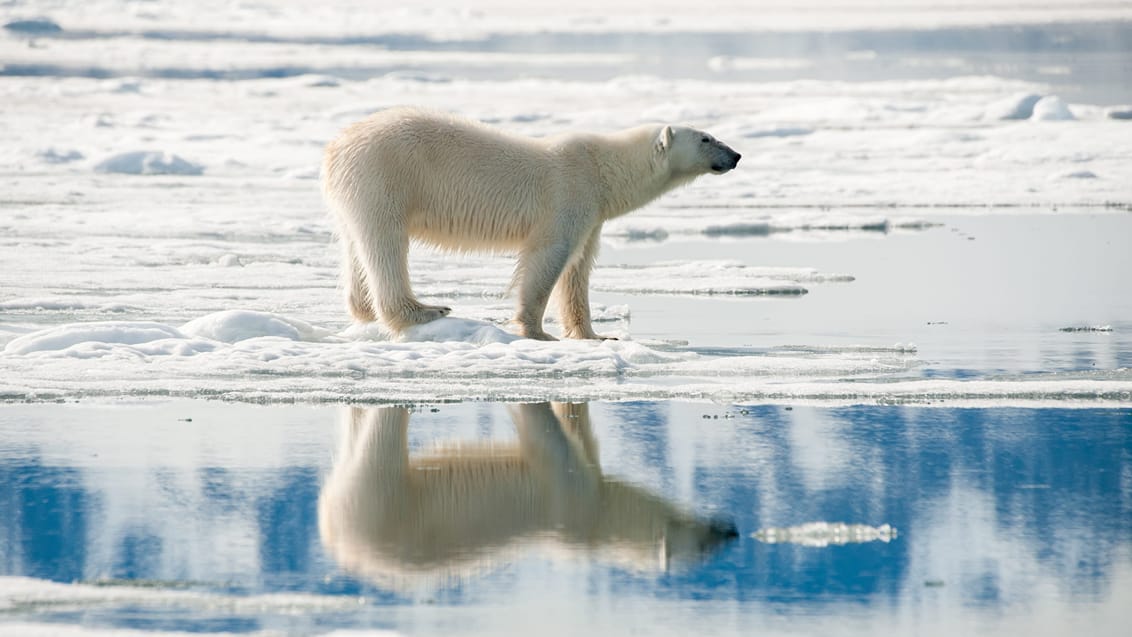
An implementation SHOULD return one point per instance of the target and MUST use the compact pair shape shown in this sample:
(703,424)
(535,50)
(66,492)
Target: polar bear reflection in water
(401,520)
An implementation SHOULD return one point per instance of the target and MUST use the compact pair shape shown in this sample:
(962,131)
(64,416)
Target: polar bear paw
(533,333)
(586,334)
(417,314)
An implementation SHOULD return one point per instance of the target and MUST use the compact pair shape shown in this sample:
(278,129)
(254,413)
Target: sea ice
(822,534)
(113,284)
(144,162)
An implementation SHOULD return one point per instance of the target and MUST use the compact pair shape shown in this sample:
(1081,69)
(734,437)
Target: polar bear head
(691,152)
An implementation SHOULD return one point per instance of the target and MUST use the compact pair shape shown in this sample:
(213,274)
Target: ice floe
(218,275)
(254,356)
(1087,328)
(822,534)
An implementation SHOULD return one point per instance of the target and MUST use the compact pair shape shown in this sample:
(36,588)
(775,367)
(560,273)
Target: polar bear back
(454,183)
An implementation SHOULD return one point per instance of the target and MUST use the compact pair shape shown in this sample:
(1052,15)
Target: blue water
(999,511)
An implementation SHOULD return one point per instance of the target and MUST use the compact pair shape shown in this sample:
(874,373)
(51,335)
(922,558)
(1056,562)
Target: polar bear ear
(664,140)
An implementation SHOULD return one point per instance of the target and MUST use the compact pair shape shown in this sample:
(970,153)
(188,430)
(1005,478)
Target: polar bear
(402,520)
(405,174)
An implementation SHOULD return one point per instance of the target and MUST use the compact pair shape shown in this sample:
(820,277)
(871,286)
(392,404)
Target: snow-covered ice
(161,231)
(931,211)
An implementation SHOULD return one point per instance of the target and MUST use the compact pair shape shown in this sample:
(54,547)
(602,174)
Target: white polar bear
(406,174)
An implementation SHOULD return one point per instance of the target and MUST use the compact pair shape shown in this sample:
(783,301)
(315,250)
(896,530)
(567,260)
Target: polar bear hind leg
(377,243)
(354,281)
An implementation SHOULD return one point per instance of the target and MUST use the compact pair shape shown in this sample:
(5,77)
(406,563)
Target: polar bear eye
(704,140)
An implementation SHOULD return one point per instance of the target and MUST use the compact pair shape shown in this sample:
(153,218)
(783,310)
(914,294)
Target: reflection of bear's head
(396,519)
(692,152)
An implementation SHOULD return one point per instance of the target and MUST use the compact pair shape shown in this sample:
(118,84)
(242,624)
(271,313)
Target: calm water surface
(607,518)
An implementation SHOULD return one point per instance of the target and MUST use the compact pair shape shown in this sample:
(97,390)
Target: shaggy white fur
(406,174)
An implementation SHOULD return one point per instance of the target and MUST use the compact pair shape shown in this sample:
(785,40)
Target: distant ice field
(910,221)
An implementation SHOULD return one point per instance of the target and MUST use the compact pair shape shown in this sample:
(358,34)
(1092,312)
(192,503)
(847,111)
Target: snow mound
(1018,106)
(102,332)
(821,534)
(450,329)
(231,326)
(145,162)
(230,261)
(1051,108)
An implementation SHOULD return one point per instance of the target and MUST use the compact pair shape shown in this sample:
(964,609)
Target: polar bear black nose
(723,529)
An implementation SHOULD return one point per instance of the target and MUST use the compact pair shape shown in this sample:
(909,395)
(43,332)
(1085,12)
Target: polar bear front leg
(573,291)
(538,270)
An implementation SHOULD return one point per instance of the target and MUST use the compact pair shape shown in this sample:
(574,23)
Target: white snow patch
(449,329)
(1017,106)
(231,326)
(1052,108)
(230,261)
(105,332)
(146,162)
(272,355)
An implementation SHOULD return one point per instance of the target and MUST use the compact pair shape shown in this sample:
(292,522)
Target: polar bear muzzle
(728,161)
